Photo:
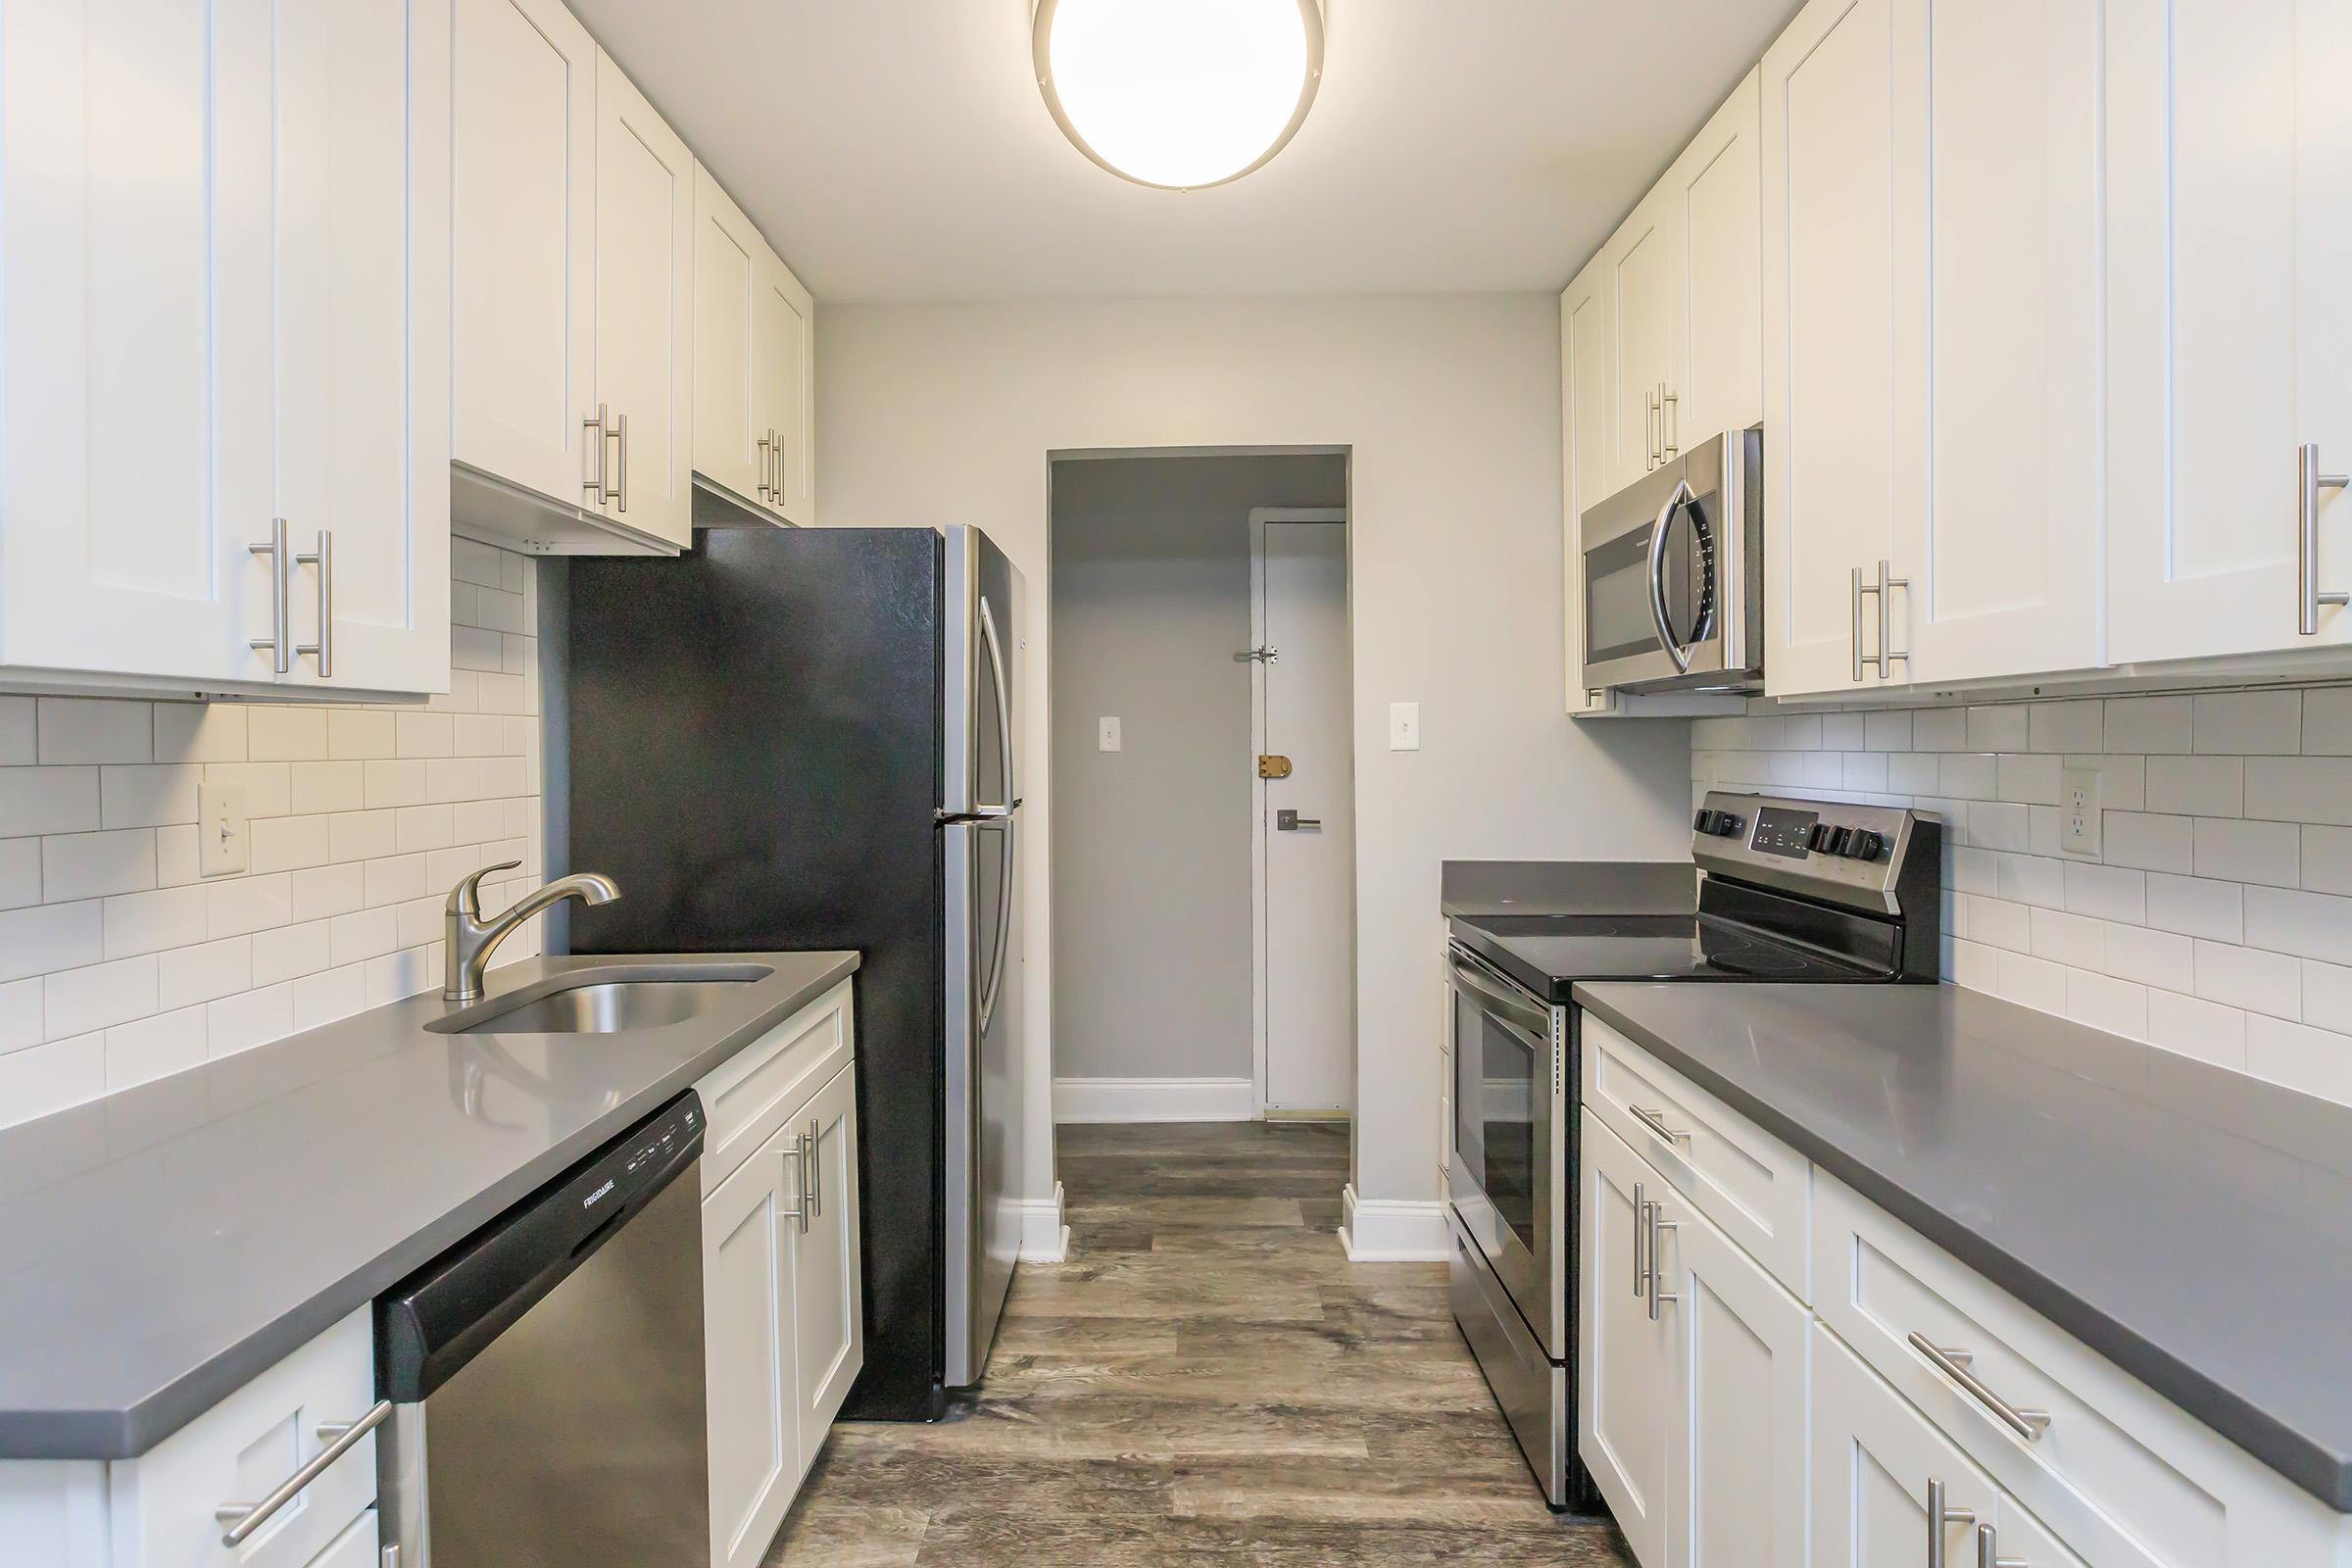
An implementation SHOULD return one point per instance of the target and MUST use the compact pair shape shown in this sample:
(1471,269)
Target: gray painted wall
(1151,581)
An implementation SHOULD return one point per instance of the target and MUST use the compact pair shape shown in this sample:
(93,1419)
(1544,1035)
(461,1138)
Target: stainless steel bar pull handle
(592,429)
(242,1519)
(1887,652)
(1641,1225)
(796,1150)
(1988,1551)
(2309,483)
(813,1147)
(1954,1365)
(1649,429)
(1659,1295)
(1861,658)
(764,491)
(324,650)
(276,645)
(1669,408)
(1655,1121)
(1940,1519)
(619,492)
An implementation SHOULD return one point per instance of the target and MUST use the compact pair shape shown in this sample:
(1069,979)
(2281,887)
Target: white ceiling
(898,150)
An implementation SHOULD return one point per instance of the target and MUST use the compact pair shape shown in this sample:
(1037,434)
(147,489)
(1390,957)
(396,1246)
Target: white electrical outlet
(1107,735)
(1404,726)
(223,836)
(2079,810)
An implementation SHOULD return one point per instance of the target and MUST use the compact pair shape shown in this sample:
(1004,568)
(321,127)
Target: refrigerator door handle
(997,964)
(995,671)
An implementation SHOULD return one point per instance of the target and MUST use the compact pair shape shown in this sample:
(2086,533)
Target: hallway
(1208,1381)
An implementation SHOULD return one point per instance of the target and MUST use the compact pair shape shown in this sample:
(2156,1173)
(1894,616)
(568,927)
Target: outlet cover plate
(1106,734)
(2079,810)
(223,835)
(1404,726)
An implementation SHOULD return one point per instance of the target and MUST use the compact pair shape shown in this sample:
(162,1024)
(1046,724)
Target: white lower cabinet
(1693,1382)
(1888,1488)
(783,1311)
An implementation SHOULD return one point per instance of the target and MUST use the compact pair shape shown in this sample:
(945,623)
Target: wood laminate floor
(1208,1381)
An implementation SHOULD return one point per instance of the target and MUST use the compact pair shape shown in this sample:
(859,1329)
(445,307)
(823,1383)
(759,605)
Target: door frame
(1260,516)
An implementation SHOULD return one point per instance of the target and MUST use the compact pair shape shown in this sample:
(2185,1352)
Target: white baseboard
(1155,1100)
(1045,1239)
(1392,1231)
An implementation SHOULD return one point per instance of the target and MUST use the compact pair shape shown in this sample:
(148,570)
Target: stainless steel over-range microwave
(1674,573)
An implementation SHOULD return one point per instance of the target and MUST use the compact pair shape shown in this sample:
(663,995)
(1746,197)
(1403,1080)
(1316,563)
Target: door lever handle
(1289,822)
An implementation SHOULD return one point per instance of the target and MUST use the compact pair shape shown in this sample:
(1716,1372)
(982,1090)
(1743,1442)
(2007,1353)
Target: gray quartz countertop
(161,1246)
(2193,1225)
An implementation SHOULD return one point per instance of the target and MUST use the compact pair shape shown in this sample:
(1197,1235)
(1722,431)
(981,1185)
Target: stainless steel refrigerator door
(983,948)
(981,649)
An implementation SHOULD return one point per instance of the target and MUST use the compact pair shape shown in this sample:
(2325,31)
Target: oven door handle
(1657,576)
(1500,1002)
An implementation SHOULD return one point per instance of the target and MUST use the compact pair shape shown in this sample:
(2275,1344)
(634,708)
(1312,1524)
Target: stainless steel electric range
(1787,890)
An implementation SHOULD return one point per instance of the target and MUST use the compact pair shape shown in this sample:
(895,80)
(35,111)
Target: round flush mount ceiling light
(1179,94)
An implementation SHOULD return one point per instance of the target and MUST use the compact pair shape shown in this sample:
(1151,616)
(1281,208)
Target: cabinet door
(1874,1459)
(787,376)
(1643,260)
(1717,371)
(523,222)
(828,1315)
(136,464)
(2004,559)
(1740,1348)
(747,1290)
(1626,1385)
(363,337)
(643,309)
(1842,336)
(1588,390)
(731,437)
(2228,324)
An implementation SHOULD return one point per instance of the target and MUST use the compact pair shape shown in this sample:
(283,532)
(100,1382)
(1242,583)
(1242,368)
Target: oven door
(1508,1164)
(1665,560)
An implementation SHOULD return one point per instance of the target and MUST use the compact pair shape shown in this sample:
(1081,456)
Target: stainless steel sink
(594,1005)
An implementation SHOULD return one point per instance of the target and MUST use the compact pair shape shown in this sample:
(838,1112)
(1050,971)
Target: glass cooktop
(1549,952)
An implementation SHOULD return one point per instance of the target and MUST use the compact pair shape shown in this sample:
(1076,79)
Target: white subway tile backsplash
(118,961)
(84,729)
(2147,724)
(2225,868)
(200,732)
(2237,851)
(2247,723)
(2197,786)
(48,800)
(20,733)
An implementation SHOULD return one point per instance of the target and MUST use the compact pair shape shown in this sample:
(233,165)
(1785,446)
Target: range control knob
(1703,822)
(1867,844)
(1716,824)
(1817,839)
(1841,840)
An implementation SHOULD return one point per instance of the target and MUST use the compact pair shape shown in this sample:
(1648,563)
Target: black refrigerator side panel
(753,744)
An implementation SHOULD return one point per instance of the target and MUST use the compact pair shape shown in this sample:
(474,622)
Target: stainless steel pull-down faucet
(471,938)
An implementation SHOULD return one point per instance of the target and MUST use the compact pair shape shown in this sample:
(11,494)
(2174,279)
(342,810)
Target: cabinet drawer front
(240,1450)
(1734,1172)
(749,1096)
(2122,1477)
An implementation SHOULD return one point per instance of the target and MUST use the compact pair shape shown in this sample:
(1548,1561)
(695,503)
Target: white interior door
(1307,820)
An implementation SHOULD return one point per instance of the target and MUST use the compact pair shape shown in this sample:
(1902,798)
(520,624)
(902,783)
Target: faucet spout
(471,939)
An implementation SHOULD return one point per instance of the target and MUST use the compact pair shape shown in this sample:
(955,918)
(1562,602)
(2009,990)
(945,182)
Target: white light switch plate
(223,836)
(1107,735)
(1404,726)
(2079,810)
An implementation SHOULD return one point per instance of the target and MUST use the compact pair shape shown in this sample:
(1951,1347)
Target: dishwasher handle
(434,1322)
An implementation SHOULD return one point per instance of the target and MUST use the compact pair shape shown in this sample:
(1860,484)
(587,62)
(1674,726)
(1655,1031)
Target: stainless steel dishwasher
(546,1374)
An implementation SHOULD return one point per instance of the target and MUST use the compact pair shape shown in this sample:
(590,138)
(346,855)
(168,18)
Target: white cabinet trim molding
(1389,1230)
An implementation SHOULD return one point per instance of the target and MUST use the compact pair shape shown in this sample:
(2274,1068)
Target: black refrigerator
(793,739)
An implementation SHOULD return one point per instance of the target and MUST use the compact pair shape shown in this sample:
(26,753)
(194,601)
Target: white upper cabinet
(525,245)
(1842,414)
(1643,261)
(225,274)
(1716,360)
(1587,461)
(2228,324)
(2003,560)
(752,361)
(644,311)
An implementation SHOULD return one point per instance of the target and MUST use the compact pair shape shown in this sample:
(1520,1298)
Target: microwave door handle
(1657,576)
